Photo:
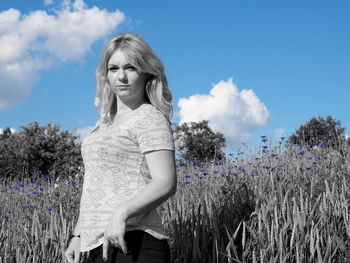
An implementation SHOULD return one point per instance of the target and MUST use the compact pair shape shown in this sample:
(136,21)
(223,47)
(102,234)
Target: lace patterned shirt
(116,170)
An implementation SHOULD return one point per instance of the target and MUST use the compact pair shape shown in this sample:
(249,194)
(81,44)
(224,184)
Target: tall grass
(277,206)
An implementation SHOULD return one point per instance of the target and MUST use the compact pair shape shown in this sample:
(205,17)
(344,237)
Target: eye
(132,68)
(113,68)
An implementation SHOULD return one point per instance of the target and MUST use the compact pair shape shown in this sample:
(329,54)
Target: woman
(128,158)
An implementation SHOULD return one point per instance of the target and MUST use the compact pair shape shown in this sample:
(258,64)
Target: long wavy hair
(143,58)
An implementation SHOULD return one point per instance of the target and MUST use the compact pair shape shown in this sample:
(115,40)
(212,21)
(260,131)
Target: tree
(39,149)
(197,141)
(319,131)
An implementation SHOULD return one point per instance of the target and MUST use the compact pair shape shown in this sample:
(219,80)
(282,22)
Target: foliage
(39,149)
(197,141)
(279,206)
(319,131)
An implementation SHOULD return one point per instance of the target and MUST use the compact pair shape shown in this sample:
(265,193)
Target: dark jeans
(143,248)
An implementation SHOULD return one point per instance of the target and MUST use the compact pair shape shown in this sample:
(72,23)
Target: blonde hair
(146,61)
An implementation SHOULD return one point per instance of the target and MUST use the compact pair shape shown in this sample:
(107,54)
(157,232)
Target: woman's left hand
(115,231)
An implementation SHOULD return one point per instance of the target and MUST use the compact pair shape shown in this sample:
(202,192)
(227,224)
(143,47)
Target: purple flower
(322,145)
(301,153)
(224,192)
(49,209)
(308,168)
(266,167)
(205,173)
(187,176)
(302,179)
(282,138)
(264,140)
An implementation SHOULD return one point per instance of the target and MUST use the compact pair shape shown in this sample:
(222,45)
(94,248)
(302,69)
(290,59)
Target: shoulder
(149,116)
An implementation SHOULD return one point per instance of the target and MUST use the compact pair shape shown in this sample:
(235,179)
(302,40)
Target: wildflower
(187,176)
(182,164)
(308,168)
(257,158)
(264,140)
(49,209)
(33,181)
(282,138)
(21,185)
(274,155)
(265,146)
(205,173)
(223,174)
(41,188)
(200,177)
(302,179)
(266,167)
(187,182)
(230,154)
(73,183)
(263,136)
(48,176)
(38,172)
(301,153)
(322,145)
(27,206)
(23,223)
(224,192)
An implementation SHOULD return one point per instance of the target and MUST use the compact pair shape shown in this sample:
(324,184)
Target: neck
(127,106)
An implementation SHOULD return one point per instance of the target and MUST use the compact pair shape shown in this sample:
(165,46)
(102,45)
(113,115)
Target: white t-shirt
(116,170)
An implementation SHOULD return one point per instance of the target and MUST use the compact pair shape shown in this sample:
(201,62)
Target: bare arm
(77,227)
(163,185)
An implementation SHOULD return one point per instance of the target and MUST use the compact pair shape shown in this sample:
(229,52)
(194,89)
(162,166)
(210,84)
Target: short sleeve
(153,132)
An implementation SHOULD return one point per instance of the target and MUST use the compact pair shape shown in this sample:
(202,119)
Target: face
(124,79)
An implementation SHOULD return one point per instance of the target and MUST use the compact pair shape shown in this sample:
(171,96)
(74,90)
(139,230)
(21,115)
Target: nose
(122,75)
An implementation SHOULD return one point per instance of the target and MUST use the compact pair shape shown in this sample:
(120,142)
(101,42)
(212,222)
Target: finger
(77,257)
(122,245)
(105,248)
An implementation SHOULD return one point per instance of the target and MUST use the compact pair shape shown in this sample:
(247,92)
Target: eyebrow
(126,65)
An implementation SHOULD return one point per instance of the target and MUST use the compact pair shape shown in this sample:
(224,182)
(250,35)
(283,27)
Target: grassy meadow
(279,205)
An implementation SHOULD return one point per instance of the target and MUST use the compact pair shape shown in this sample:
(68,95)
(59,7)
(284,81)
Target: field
(280,205)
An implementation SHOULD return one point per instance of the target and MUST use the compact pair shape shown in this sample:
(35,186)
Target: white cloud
(48,2)
(29,43)
(234,113)
(12,130)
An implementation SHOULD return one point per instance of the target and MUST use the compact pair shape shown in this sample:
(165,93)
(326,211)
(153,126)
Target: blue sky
(251,67)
